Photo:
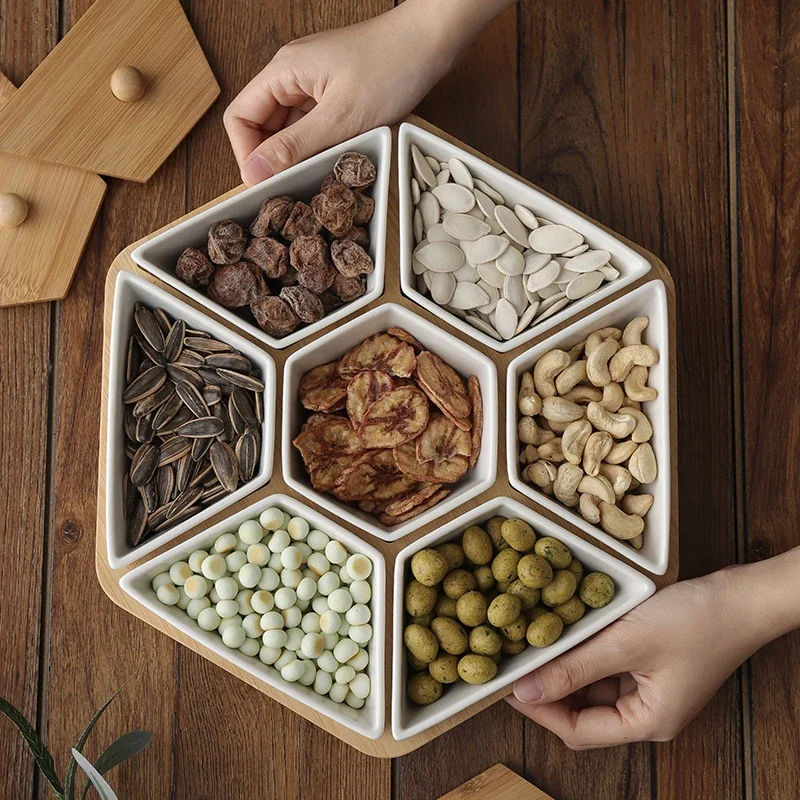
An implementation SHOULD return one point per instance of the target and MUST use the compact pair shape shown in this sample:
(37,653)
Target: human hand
(325,88)
(647,675)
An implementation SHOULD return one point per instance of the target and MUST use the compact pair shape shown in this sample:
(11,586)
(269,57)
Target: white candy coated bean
(271,519)
(249,575)
(327,662)
(258,554)
(312,645)
(343,628)
(297,528)
(274,562)
(250,647)
(227,608)
(310,622)
(251,532)
(213,567)
(274,638)
(291,558)
(360,660)
(208,619)
(196,606)
(359,566)
(361,591)
(245,601)
(235,561)
(322,682)
(353,701)
(331,640)
(226,543)
(359,614)
(309,673)
(279,541)
(287,656)
(328,583)
(317,540)
(252,626)
(335,552)
(344,674)
(269,655)
(338,692)
(291,617)
(227,588)
(340,600)
(179,572)
(262,601)
(304,549)
(228,622)
(360,686)
(214,596)
(318,564)
(302,604)
(306,589)
(320,604)
(160,580)
(344,576)
(285,597)
(360,634)
(294,638)
(272,620)
(196,586)
(291,578)
(196,560)
(233,637)
(345,650)
(168,594)
(270,580)
(330,622)
(183,599)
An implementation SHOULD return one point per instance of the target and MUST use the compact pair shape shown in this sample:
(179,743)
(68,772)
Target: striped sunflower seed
(151,353)
(177,373)
(131,361)
(205,470)
(234,361)
(144,429)
(247,454)
(169,523)
(201,428)
(129,423)
(188,358)
(172,450)
(144,464)
(183,415)
(237,423)
(165,483)
(150,381)
(200,447)
(184,500)
(204,344)
(163,320)
(225,465)
(153,401)
(129,495)
(137,523)
(149,494)
(167,412)
(148,326)
(158,517)
(192,399)
(184,470)
(239,379)
(212,395)
(212,494)
(173,344)
(244,406)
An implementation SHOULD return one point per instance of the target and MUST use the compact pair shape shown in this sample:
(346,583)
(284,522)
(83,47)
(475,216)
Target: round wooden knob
(13,210)
(127,84)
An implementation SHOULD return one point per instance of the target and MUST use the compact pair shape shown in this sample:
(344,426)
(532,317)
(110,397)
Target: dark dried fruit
(234,285)
(348,288)
(357,235)
(272,216)
(194,268)
(304,303)
(330,301)
(351,259)
(261,289)
(365,208)
(355,170)
(301,222)
(226,242)
(335,208)
(269,255)
(329,180)
(274,316)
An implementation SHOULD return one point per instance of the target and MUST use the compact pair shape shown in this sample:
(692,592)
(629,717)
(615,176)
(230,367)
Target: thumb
(320,128)
(586,664)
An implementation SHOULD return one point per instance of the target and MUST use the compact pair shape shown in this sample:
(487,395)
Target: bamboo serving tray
(386,746)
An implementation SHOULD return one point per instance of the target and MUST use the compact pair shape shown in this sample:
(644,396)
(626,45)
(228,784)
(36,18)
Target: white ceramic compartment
(649,300)
(128,290)
(632,588)
(369,720)
(332,346)
(630,264)
(159,254)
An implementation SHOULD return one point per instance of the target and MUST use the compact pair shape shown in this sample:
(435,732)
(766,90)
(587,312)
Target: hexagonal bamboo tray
(386,746)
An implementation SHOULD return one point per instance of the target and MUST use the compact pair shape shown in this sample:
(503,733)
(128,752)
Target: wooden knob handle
(127,84)
(13,210)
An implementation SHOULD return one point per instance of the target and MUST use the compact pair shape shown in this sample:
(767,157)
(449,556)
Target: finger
(599,726)
(602,693)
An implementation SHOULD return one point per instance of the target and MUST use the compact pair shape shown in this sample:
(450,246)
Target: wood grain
(496,783)
(769,130)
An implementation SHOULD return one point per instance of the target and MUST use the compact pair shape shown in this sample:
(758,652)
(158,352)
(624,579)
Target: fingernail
(255,170)
(529,689)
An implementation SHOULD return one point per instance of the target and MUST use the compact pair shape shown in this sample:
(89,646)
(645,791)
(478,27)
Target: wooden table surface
(678,124)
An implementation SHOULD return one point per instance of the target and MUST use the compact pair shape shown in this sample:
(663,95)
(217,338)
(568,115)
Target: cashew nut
(597,362)
(587,505)
(598,337)
(619,476)
(642,464)
(620,452)
(555,426)
(583,394)
(528,401)
(530,455)
(566,484)
(557,409)
(637,542)
(546,369)
(636,385)
(638,504)
(634,355)
(597,448)
(633,331)
(643,431)
(613,397)
(619,524)
(632,403)
(576,350)
(571,377)
(551,451)
(598,486)
(530,433)
(540,474)
(618,425)
(574,438)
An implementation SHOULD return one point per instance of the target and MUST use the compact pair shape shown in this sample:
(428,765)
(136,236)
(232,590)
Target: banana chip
(443,385)
(327,439)
(474,387)
(449,471)
(404,504)
(397,416)
(323,389)
(380,352)
(404,336)
(363,390)
(372,476)
(441,440)
(388,519)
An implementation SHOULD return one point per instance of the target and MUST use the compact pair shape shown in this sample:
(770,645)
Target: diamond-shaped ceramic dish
(493,487)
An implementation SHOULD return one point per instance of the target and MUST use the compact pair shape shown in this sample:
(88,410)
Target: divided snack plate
(387,726)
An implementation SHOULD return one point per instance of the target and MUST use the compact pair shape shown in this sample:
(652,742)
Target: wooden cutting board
(497,783)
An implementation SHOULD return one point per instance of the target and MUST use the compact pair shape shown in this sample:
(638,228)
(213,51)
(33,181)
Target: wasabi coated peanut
(597,590)
(453,554)
(420,599)
(444,668)
(511,648)
(544,630)
(484,640)
(576,568)
(423,689)
(476,669)
(554,551)
(527,596)
(445,607)
(483,578)
(421,643)
(450,634)
(494,529)
(535,572)
(503,610)
(471,609)
(477,545)
(458,582)
(415,663)
(571,611)
(518,534)
(428,567)
(504,565)
(560,589)
(516,630)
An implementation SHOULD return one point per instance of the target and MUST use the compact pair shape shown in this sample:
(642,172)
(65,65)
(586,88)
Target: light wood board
(38,258)
(386,746)
(65,112)
(497,783)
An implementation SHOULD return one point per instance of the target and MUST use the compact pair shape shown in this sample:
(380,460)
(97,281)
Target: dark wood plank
(623,115)
(477,102)
(25,37)
(769,161)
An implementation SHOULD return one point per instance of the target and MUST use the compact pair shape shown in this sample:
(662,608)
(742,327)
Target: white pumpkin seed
(419,230)
(493,193)
(429,208)
(565,276)
(511,262)
(442,284)
(609,273)
(468,295)
(457,312)
(423,168)
(434,164)
(494,296)
(455,198)
(585,283)
(415,192)
(437,233)
(588,262)
(487,248)
(422,286)
(491,274)
(441,256)
(527,317)
(464,226)
(549,291)
(495,226)
(510,223)
(444,165)
(506,318)
(483,327)
(426,276)
(544,277)
(576,251)
(526,217)
(485,203)
(551,301)
(554,239)
(554,309)
(543,221)
(467,272)
(417,266)
(461,175)
(533,297)
(514,292)
(442,177)
(533,261)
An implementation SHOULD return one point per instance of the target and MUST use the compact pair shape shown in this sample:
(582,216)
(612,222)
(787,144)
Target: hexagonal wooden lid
(65,112)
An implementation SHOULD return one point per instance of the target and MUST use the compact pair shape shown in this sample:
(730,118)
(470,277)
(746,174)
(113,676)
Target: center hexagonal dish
(463,359)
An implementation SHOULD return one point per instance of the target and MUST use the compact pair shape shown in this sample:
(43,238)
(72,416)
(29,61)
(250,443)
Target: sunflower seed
(188,358)
(205,469)
(238,379)
(148,326)
(232,361)
(259,406)
(225,465)
(157,518)
(151,380)
(172,450)
(129,423)
(192,399)
(130,450)
(201,428)
(173,346)
(165,483)
(163,319)
(243,406)
(137,523)
(247,453)
(220,412)
(184,470)
(131,361)
(177,373)
(129,495)
(149,494)
(237,423)
(167,412)
(169,523)
(203,344)
(183,501)
(143,464)
(200,448)
(212,395)
(149,404)
(144,429)
(212,494)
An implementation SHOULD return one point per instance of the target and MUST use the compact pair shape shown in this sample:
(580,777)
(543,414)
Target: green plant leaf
(127,746)
(98,781)
(69,780)
(37,747)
